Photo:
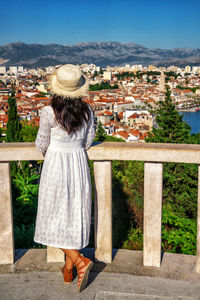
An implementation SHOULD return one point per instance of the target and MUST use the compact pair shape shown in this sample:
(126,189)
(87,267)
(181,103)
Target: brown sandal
(67,274)
(84,265)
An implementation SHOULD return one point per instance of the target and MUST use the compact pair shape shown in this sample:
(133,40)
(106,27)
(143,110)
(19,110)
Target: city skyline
(153,24)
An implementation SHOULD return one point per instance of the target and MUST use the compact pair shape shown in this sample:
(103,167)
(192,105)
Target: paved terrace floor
(125,278)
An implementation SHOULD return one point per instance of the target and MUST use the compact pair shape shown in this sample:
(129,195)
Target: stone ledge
(173,266)
(152,152)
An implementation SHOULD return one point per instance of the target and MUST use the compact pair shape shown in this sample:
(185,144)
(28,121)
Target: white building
(187,69)
(195,69)
(107,75)
(130,98)
(129,112)
(20,69)
(42,87)
(120,106)
(3,70)
(50,69)
(109,129)
(137,67)
(13,70)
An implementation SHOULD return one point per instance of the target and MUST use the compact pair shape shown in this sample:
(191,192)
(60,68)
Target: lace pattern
(47,122)
(64,202)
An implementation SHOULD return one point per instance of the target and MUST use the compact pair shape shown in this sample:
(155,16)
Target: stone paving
(101,286)
(31,277)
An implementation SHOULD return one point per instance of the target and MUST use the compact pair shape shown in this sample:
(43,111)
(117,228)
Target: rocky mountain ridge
(99,53)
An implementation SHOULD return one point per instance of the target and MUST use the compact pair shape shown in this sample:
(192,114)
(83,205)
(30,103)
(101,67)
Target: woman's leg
(71,255)
(83,266)
(67,269)
(69,263)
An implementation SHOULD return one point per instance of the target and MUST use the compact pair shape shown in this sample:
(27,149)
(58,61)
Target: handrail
(152,152)
(103,153)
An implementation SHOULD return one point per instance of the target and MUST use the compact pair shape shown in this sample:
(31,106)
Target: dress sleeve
(44,132)
(90,131)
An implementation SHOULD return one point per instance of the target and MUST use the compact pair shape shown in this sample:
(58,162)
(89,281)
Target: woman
(64,203)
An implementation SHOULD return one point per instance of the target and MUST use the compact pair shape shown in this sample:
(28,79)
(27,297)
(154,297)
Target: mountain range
(100,53)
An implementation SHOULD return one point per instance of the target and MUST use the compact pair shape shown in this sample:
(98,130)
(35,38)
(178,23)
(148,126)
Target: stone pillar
(198,225)
(6,216)
(103,210)
(153,186)
(55,255)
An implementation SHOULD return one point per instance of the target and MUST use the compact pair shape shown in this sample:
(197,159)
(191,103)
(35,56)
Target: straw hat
(68,81)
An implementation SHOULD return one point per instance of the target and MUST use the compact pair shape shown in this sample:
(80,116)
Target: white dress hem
(59,246)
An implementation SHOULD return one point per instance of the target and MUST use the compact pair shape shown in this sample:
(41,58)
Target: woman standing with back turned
(64,203)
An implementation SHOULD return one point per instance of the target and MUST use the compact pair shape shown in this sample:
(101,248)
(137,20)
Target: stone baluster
(153,186)
(6,216)
(103,210)
(55,255)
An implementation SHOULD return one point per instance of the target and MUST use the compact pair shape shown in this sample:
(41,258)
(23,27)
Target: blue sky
(152,23)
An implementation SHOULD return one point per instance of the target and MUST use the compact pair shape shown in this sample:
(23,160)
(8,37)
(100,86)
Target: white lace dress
(64,202)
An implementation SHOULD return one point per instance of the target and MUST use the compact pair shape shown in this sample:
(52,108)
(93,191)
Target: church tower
(162,87)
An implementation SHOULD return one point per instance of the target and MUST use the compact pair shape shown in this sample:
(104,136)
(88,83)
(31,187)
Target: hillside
(99,53)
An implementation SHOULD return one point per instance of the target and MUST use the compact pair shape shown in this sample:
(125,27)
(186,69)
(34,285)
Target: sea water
(193,119)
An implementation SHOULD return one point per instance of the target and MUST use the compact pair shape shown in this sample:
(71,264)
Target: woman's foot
(83,265)
(67,274)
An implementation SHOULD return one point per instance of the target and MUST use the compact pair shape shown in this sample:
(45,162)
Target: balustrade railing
(102,154)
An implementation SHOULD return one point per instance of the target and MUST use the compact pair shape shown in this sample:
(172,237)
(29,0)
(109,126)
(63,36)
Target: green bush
(23,236)
(178,234)
(134,240)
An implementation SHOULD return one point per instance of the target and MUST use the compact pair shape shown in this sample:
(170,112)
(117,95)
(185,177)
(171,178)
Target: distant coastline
(188,110)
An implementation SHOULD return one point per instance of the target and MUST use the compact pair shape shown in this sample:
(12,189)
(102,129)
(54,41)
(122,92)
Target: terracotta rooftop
(123,134)
(108,113)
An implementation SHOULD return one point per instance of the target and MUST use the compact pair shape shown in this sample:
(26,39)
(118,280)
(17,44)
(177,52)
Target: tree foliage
(127,191)
(179,234)
(25,188)
(25,176)
(28,131)
(102,86)
(100,133)
(28,187)
(180,186)
(13,124)
(1,137)
(180,182)
(193,89)
(170,126)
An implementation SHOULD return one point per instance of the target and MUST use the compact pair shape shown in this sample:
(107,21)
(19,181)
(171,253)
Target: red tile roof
(108,113)
(123,134)
(142,137)
(135,132)
(133,116)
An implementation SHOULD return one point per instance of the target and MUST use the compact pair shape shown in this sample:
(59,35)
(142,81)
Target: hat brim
(56,89)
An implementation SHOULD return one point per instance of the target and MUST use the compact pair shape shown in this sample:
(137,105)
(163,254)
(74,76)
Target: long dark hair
(70,113)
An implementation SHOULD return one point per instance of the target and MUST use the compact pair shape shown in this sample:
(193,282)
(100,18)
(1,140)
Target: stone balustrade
(152,154)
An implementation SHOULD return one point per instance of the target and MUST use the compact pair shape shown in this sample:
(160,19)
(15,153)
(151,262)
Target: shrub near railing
(25,184)
(178,230)
(179,235)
